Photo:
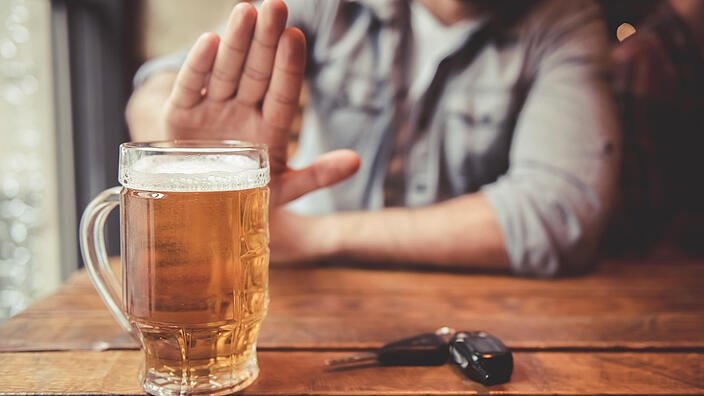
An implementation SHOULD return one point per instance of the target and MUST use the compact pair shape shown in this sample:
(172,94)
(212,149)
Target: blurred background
(65,77)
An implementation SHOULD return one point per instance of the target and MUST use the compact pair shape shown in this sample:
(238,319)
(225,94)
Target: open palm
(246,86)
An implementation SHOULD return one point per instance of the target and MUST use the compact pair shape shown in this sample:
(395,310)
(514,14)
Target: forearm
(462,232)
(143,111)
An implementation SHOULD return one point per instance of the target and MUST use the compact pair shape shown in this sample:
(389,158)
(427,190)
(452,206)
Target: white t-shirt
(432,42)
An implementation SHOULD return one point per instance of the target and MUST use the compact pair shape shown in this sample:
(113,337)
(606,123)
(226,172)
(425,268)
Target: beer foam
(193,173)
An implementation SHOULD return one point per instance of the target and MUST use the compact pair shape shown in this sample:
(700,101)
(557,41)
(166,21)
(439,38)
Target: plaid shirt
(659,86)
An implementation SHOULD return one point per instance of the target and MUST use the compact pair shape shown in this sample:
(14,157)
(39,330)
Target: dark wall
(100,55)
(630,11)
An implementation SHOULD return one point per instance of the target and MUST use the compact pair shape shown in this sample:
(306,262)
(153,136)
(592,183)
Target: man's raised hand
(246,86)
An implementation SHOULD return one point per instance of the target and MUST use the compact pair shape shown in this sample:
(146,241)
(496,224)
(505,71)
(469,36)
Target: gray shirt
(529,122)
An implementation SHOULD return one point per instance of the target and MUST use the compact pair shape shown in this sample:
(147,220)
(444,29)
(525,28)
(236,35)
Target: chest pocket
(351,105)
(477,137)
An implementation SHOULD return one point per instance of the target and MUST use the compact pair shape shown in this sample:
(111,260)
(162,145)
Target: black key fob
(423,350)
(482,357)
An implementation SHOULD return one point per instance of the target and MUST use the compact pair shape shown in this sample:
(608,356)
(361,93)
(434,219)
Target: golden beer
(196,276)
(195,260)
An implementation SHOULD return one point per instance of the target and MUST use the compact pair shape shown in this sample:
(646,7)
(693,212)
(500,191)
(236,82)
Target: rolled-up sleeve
(164,63)
(553,202)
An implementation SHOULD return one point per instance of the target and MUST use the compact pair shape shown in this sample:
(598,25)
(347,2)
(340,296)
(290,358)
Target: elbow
(573,258)
(565,243)
(548,233)
(145,107)
(138,117)
(132,112)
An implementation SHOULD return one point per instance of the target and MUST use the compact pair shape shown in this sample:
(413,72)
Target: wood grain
(99,331)
(571,336)
(304,373)
(636,305)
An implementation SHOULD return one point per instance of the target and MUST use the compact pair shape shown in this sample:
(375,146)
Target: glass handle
(95,256)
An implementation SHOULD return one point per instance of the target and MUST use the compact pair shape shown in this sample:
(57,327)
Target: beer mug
(195,259)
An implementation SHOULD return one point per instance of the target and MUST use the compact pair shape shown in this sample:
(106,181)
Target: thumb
(328,169)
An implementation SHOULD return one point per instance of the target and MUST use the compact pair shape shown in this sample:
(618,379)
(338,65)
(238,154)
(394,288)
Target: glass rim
(194,146)
(193,165)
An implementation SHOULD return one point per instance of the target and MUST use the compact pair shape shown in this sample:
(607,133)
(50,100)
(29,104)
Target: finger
(232,52)
(281,100)
(330,168)
(260,57)
(190,80)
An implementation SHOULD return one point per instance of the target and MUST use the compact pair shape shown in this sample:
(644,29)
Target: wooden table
(630,327)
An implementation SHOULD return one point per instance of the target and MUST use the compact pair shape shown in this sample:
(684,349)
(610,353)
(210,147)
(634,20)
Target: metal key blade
(360,357)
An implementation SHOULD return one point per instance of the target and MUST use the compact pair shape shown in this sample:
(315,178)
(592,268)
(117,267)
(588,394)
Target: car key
(482,357)
(422,350)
